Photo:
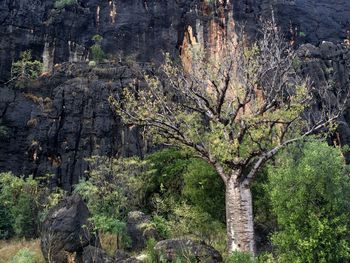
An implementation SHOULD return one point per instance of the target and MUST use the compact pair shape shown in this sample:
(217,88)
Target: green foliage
(97,39)
(204,189)
(161,225)
(19,197)
(59,4)
(24,255)
(151,254)
(26,69)
(310,195)
(240,257)
(6,229)
(108,194)
(185,195)
(107,190)
(24,203)
(97,54)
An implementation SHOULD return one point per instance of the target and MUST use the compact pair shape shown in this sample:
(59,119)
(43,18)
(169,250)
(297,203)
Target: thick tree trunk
(239,216)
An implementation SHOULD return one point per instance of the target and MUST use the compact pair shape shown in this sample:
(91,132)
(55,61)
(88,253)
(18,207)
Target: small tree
(236,112)
(97,53)
(25,69)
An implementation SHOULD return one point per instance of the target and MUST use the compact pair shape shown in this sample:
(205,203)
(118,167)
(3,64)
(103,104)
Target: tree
(25,69)
(309,190)
(97,53)
(235,111)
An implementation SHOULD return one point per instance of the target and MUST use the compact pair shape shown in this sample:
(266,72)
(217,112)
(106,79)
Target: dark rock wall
(63,118)
(308,21)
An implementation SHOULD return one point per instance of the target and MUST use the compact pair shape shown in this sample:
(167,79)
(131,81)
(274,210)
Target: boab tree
(236,112)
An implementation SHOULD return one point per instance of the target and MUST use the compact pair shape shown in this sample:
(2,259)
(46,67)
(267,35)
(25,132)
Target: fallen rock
(139,230)
(66,231)
(96,255)
(120,255)
(172,250)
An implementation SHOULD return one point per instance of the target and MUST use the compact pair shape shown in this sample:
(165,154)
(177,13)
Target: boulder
(172,250)
(96,255)
(139,230)
(66,231)
(120,255)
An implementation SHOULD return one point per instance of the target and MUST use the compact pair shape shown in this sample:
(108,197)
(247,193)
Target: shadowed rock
(66,231)
(196,251)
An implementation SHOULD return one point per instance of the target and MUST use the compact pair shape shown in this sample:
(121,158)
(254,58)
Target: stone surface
(66,231)
(93,254)
(69,119)
(196,251)
(139,230)
(66,118)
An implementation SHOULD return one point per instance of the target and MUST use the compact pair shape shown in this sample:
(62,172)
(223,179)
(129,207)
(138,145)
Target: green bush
(18,197)
(108,195)
(59,4)
(25,69)
(151,254)
(186,194)
(97,54)
(204,189)
(24,255)
(24,203)
(310,195)
(240,257)
(6,223)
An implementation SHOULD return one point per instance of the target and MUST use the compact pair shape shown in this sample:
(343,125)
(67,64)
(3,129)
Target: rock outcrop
(66,231)
(53,126)
(56,122)
(140,230)
(172,250)
(93,254)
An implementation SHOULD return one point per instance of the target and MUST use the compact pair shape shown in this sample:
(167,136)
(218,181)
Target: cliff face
(64,117)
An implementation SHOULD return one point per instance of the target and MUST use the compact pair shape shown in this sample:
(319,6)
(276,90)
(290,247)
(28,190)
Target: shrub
(19,198)
(108,195)
(6,228)
(151,254)
(240,257)
(24,255)
(97,54)
(310,195)
(204,188)
(25,69)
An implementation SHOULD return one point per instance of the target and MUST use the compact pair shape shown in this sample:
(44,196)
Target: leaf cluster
(309,191)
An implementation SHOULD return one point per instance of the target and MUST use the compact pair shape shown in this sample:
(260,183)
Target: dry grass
(9,248)
(108,243)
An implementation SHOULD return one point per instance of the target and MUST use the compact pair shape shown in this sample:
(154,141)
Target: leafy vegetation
(17,249)
(310,195)
(97,54)
(19,205)
(25,69)
(24,202)
(236,113)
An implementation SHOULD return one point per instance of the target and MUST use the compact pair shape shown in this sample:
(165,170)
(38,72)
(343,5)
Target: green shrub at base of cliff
(18,199)
(310,195)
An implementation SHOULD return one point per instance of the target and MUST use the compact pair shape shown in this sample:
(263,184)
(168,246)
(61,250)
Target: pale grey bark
(239,216)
